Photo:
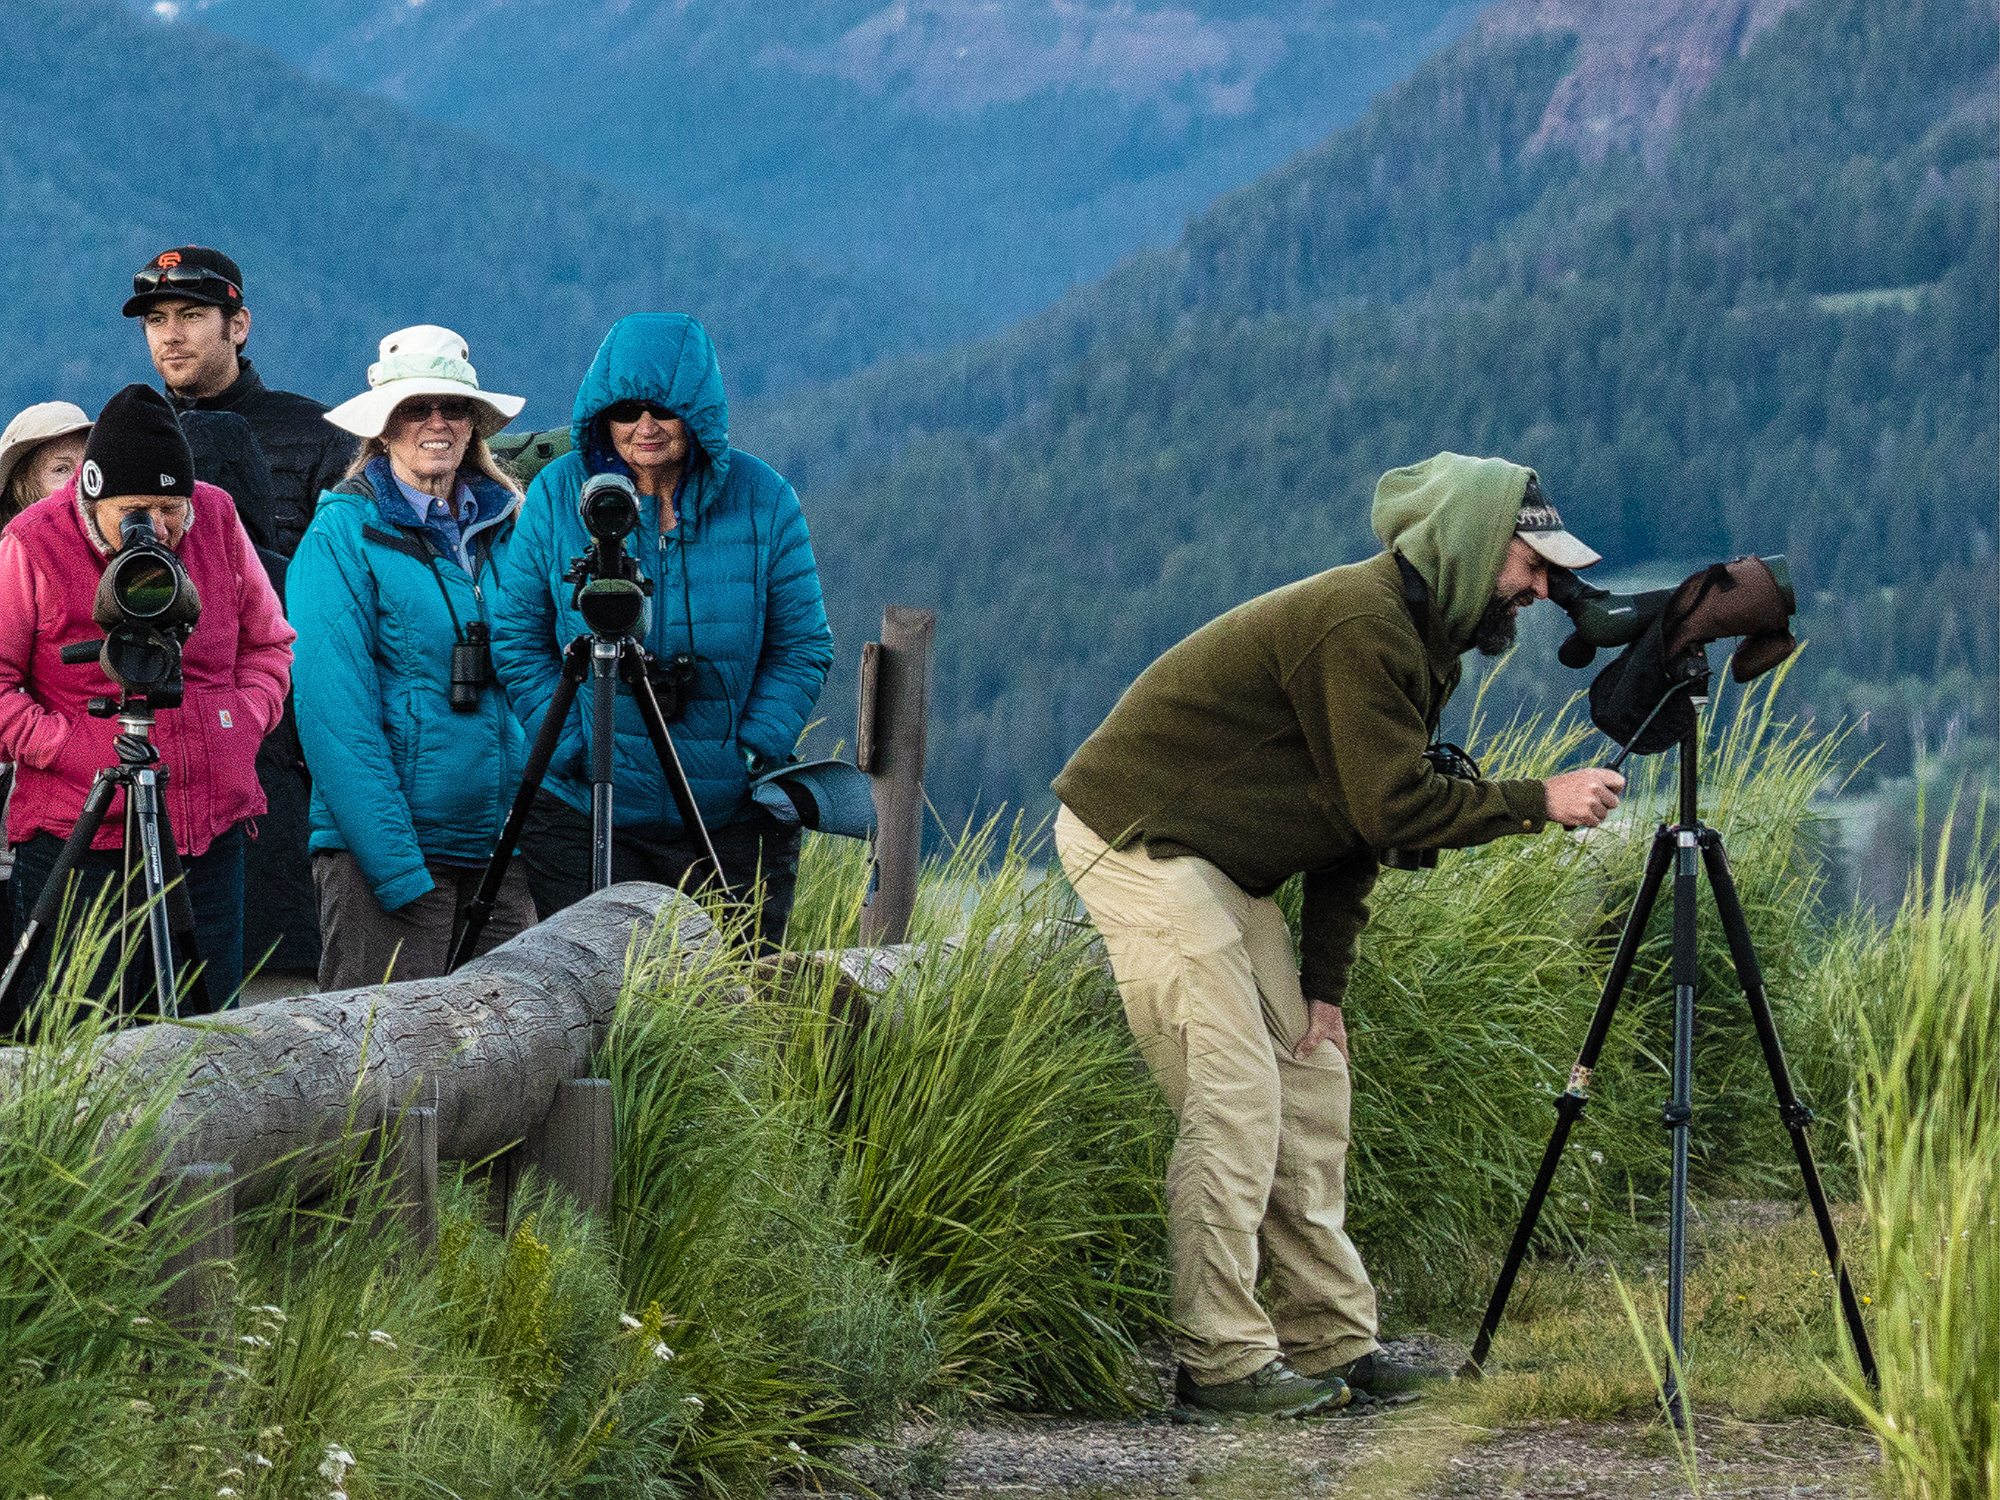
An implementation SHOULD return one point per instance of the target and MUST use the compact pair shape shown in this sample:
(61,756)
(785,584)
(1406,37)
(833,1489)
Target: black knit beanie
(136,448)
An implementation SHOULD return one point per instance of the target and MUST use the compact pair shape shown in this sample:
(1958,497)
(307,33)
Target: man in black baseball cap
(191,302)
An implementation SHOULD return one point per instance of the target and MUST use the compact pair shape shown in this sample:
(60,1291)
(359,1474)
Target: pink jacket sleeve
(29,733)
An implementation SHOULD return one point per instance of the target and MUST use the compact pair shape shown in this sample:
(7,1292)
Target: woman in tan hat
(414,750)
(39,451)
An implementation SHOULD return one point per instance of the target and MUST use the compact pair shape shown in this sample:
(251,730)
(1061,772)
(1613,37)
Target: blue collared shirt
(436,517)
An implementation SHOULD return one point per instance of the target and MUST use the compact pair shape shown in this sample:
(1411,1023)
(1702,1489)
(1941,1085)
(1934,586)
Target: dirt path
(1407,1453)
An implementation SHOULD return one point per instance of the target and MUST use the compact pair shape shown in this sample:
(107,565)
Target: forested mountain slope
(1775,331)
(988,153)
(352,217)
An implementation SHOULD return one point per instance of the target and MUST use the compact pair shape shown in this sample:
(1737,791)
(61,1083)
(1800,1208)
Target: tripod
(1678,845)
(604,657)
(148,839)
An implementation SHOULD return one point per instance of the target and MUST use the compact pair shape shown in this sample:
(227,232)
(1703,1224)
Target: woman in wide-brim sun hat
(37,433)
(412,773)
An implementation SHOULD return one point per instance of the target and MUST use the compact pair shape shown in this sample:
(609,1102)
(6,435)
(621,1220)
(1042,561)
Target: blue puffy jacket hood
(735,587)
(666,358)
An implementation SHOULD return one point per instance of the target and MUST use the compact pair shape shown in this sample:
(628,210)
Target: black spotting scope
(609,592)
(1603,618)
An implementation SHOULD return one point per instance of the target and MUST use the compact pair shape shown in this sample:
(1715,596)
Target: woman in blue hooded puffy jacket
(414,760)
(735,589)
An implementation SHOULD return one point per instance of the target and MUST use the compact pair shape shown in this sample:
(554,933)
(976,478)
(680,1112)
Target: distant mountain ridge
(986,153)
(1775,327)
(352,217)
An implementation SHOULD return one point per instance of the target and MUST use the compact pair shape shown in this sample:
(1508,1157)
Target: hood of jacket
(666,358)
(1452,517)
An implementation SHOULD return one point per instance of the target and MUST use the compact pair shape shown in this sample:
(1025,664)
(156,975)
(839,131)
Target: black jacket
(281,912)
(306,453)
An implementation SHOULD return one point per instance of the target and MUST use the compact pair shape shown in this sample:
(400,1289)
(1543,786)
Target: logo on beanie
(93,478)
(167,481)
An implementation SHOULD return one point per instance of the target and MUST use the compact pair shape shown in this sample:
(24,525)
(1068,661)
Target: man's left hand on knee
(1324,1023)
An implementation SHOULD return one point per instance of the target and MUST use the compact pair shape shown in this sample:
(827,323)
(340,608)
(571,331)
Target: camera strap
(424,550)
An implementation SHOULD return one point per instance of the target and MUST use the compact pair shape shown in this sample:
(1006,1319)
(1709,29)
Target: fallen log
(269,1088)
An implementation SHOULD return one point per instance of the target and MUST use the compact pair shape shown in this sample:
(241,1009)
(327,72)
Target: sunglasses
(631,411)
(419,409)
(173,278)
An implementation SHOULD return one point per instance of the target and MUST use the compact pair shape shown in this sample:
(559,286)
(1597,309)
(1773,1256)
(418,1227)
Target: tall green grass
(993,1134)
(1926,1122)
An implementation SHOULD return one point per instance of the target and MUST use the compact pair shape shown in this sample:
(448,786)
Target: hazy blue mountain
(351,217)
(1763,317)
(990,153)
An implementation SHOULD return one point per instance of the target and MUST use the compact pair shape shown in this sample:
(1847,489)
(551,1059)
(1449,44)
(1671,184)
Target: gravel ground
(1381,1452)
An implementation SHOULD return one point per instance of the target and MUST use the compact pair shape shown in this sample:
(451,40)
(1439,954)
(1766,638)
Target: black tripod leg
(167,906)
(200,998)
(1790,1108)
(48,905)
(1570,1103)
(604,656)
(670,759)
(576,662)
(1678,1113)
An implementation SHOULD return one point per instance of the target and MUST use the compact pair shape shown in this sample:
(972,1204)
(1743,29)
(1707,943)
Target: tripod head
(609,592)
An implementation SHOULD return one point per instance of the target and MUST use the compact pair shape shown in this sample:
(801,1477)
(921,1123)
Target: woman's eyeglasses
(631,411)
(451,408)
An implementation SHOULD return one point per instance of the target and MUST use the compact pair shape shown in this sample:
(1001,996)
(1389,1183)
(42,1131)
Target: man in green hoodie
(1288,737)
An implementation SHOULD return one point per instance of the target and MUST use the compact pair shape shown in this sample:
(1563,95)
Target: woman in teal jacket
(414,758)
(735,592)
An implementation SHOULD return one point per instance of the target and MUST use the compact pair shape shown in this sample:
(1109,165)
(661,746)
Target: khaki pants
(1211,989)
(362,945)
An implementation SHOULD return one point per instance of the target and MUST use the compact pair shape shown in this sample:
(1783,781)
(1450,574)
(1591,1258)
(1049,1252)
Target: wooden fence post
(411,1139)
(198,1300)
(576,1145)
(895,712)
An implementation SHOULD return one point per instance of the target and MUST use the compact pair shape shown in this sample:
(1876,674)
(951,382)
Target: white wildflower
(661,1351)
(253,1340)
(225,1490)
(626,1320)
(1597,1158)
(336,1463)
(143,1408)
(695,1401)
(260,1461)
(270,1309)
(142,1322)
(351,1334)
(381,1336)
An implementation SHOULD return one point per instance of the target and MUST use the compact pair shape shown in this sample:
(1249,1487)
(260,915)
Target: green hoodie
(1287,735)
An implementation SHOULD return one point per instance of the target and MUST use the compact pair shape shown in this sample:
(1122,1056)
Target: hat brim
(367,414)
(1560,548)
(22,446)
(135,305)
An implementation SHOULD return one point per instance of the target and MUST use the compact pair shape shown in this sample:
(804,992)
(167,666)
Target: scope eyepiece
(609,507)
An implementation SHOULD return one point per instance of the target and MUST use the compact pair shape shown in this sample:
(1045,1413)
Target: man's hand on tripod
(1324,1023)
(1582,799)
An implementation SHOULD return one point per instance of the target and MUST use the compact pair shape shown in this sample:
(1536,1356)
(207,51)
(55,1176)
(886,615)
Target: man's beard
(1494,634)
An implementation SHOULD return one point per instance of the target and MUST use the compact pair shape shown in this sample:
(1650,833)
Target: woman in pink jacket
(236,666)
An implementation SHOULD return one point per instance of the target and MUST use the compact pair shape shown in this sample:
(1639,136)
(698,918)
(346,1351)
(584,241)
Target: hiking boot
(1377,1377)
(1277,1390)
